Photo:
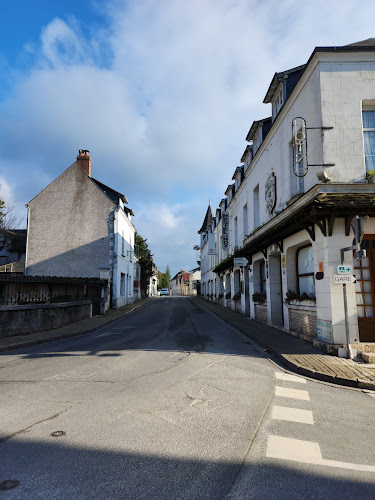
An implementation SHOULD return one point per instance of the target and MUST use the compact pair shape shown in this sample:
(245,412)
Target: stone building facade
(79,227)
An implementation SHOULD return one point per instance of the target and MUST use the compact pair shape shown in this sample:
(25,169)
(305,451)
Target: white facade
(291,228)
(123,257)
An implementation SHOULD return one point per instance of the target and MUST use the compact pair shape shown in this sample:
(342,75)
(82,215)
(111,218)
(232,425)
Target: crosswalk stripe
(309,452)
(289,378)
(285,392)
(292,415)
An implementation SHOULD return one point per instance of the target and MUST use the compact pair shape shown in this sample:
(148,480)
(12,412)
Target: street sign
(240,261)
(344,278)
(344,269)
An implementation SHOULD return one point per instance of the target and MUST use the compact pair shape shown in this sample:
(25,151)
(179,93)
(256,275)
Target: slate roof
(206,222)
(114,195)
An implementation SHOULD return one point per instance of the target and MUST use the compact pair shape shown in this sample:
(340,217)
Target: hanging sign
(240,261)
(225,230)
(211,244)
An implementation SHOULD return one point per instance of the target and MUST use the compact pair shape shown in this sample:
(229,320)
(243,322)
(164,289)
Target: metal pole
(346,312)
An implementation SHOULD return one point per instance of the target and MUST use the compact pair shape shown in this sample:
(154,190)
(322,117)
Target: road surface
(172,403)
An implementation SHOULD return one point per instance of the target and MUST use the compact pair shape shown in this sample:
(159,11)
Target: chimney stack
(84,160)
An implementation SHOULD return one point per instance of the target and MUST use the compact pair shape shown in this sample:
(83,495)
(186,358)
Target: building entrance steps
(79,328)
(295,353)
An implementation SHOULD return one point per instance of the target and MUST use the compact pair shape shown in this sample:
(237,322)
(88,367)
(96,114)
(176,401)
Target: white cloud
(165,114)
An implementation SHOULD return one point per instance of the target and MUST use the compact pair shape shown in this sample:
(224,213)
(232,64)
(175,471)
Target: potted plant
(259,297)
(237,296)
(370,176)
(292,296)
(228,295)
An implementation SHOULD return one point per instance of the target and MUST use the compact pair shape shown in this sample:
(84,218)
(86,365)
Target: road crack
(6,438)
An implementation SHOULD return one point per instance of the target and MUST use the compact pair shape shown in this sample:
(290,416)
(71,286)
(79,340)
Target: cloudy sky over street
(162,93)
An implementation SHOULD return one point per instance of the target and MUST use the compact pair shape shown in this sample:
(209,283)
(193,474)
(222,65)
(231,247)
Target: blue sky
(162,93)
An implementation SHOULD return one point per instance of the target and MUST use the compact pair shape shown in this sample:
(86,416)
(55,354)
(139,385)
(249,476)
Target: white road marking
(285,392)
(289,378)
(292,415)
(307,452)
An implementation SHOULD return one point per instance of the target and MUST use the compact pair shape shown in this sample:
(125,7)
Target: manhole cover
(9,484)
(58,433)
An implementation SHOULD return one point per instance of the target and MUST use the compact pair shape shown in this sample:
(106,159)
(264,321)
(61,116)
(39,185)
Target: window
(123,245)
(235,232)
(122,285)
(305,270)
(262,277)
(278,102)
(245,222)
(256,206)
(368,116)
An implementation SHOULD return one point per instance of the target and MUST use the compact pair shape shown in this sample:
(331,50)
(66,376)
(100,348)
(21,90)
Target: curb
(301,370)
(61,336)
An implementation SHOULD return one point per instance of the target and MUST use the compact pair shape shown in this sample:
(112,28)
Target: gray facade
(69,227)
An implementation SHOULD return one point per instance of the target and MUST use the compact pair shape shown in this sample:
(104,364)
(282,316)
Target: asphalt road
(172,403)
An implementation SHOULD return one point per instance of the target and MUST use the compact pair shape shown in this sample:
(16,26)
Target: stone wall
(303,322)
(261,312)
(30,318)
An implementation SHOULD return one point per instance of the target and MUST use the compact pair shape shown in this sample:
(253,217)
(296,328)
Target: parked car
(164,291)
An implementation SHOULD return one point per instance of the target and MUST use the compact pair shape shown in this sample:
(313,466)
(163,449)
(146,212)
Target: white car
(164,291)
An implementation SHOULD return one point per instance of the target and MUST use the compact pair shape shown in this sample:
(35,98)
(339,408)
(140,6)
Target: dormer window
(278,102)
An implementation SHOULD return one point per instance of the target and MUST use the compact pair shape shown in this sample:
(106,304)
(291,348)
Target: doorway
(364,271)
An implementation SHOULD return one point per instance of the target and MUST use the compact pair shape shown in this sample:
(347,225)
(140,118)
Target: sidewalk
(297,354)
(72,330)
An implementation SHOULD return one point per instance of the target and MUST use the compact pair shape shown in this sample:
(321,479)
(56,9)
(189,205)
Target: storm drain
(9,484)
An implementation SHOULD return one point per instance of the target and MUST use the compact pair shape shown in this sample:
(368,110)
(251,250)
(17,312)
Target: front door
(365,290)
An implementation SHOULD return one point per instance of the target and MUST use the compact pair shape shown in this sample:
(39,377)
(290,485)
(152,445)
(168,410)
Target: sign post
(240,261)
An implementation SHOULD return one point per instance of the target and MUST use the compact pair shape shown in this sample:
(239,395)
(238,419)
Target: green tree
(165,278)
(145,261)
(167,275)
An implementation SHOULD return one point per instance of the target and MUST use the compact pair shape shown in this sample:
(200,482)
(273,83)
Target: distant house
(12,250)
(179,284)
(79,227)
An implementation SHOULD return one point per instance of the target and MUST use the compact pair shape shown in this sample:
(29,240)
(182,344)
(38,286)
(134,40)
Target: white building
(294,201)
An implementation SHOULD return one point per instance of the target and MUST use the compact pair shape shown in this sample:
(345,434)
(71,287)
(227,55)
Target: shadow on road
(64,470)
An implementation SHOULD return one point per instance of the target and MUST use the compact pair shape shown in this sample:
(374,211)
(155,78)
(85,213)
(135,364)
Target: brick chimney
(84,160)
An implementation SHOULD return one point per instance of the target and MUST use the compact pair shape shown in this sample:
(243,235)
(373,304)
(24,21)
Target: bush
(291,295)
(259,297)
(237,296)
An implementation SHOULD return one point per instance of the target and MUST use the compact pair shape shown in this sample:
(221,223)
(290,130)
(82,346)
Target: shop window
(262,276)
(305,270)
(368,116)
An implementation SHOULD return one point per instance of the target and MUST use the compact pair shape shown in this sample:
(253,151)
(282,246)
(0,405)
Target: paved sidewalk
(297,354)
(72,330)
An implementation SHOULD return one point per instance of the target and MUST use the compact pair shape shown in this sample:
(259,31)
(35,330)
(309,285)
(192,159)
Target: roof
(254,127)
(246,152)
(369,42)
(277,79)
(361,46)
(114,195)
(236,172)
(206,221)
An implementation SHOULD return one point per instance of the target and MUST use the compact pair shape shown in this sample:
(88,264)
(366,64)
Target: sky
(162,93)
